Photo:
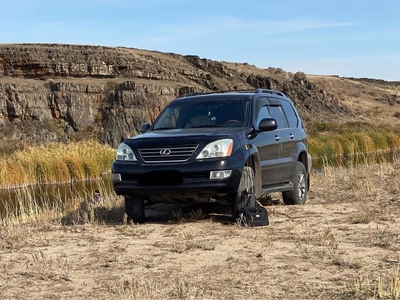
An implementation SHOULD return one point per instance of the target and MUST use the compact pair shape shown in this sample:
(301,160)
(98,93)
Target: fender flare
(253,161)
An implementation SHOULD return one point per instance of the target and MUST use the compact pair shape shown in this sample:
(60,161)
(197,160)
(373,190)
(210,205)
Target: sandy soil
(342,244)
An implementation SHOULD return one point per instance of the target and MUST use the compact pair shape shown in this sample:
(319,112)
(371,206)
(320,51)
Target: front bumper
(179,181)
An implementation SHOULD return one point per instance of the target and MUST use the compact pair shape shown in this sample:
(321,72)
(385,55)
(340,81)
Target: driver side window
(262,114)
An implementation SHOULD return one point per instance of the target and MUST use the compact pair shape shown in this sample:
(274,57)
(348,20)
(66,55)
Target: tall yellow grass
(55,163)
(346,142)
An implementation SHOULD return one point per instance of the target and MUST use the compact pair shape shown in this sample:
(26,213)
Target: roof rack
(217,92)
(270,92)
(238,91)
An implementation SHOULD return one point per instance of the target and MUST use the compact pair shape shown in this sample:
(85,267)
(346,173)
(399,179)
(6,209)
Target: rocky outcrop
(53,92)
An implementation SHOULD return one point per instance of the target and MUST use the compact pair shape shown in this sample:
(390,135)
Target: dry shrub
(154,285)
(383,238)
(325,146)
(363,143)
(12,174)
(92,169)
(56,162)
(393,140)
(387,287)
(185,242)
(322,243)
(380,141)
(364,215)
(44,171)
(44,266)
(346,144)
(375,183)
(31,205)
(12,236)
(349,139)
(75,167)
(62,172)
(135,230)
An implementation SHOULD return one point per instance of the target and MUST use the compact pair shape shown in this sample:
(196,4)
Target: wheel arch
(301,154)
(305,159)
(253,161)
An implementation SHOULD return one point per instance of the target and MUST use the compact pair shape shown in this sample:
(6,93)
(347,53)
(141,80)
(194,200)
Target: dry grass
(343,244)
(31,206)
(340,141)
(55,163)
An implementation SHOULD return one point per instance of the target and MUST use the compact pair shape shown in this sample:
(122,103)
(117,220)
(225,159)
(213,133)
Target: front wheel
(300,185)
(245,195)
(134,209)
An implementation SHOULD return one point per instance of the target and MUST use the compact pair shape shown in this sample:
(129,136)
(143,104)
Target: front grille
(179,153)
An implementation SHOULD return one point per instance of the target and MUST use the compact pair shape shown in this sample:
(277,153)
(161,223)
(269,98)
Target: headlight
(219,148)
(125,152)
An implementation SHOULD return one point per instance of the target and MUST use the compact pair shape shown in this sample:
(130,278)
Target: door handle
(277,138)
(291,136)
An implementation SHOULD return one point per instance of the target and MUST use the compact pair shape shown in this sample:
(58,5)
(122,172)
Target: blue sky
(349,38)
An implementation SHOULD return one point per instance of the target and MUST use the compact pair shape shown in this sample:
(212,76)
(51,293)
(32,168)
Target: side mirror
(267,124)
(144,127)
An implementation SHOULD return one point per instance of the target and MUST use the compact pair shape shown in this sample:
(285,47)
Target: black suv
(230,146)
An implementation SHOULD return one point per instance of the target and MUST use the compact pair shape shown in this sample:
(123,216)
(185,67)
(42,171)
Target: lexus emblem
(165,152)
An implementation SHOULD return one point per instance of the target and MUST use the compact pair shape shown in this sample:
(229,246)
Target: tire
(134,209)
(245,195)
(300,187)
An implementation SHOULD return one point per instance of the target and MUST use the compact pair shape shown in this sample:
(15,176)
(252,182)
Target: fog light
(116,177)
(220,174)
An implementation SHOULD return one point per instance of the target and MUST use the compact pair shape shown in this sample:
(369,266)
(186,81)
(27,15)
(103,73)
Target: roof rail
(219,92)
(270,92)
(238,91)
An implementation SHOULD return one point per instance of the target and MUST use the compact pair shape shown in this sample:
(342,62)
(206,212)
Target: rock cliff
(56,92)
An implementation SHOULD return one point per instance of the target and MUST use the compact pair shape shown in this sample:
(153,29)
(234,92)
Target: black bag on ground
(254,216)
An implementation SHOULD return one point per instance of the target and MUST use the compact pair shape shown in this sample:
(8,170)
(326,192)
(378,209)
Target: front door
(268,145)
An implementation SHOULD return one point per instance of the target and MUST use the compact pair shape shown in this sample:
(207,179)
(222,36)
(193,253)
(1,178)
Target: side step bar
(278,188)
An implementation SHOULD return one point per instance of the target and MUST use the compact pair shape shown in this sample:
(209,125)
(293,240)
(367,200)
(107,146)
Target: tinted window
(290,114)
(205,112)
(262,114)
(277,114)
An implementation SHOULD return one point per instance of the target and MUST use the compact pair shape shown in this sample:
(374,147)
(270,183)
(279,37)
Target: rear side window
(277,114)
(290,114)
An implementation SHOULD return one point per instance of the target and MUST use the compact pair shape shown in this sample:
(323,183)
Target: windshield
(196,113)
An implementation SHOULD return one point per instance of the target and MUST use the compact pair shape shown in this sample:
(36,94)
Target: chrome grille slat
(178,153)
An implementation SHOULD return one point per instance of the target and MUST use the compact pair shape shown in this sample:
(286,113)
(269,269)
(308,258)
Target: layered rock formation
(54,92)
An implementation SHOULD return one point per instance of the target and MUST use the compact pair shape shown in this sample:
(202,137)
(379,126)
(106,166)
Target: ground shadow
(188,212)
(155,213)
(165,213)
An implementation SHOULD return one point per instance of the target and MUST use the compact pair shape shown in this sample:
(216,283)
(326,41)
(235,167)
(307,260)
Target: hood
(190,132)
(186,135)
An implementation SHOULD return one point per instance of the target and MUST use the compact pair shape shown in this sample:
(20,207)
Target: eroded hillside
(55,92)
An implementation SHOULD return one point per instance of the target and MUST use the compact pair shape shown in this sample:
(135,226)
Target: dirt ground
(342,244)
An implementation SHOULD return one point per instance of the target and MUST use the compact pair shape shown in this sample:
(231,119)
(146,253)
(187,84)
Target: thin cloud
(279,27)
(235,27)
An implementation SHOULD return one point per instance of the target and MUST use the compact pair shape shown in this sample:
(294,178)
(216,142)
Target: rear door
(289,136)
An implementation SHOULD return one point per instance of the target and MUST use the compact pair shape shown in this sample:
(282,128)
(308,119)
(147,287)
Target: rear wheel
(300,185)
(245,195)
(134,209)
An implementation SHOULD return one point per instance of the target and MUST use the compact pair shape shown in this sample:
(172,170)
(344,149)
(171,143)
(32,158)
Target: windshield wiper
(164,128)
(205,126)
